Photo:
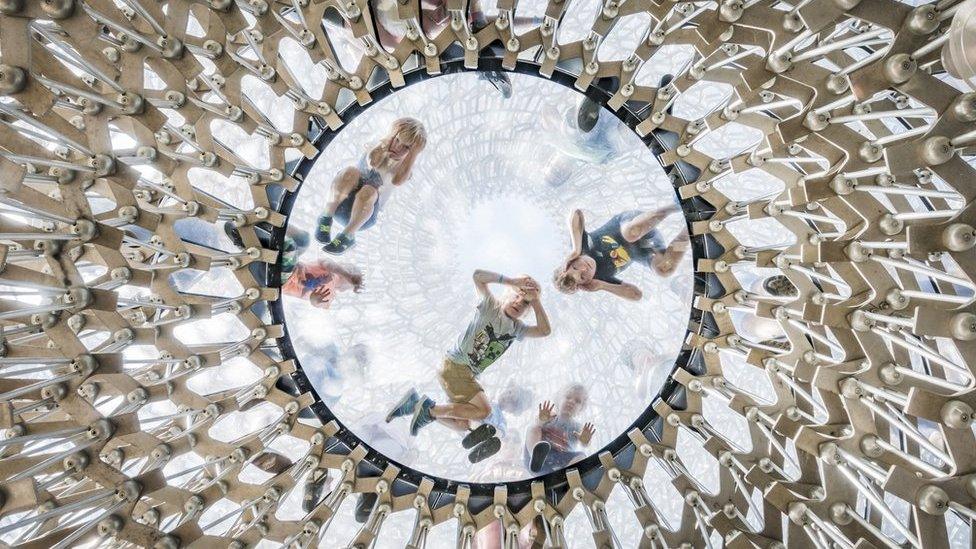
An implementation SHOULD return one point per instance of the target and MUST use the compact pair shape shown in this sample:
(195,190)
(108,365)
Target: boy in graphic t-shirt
(494,327)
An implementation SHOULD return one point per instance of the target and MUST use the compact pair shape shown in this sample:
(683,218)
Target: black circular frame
(621,447)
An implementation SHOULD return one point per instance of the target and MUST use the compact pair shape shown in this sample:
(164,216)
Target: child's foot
(405,406)
(421,415)
(485,450)
(233,234)
(339,244)
(477,436)
(323,232)
(539,454)
(312,491)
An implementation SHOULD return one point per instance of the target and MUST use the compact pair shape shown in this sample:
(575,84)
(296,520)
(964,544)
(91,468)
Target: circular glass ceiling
(490,197)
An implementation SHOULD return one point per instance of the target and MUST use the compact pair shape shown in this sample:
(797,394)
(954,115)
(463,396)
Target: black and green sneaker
(323,232)
(339,244)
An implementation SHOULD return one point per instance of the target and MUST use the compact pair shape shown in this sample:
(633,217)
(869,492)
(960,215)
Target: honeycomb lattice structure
(113,122)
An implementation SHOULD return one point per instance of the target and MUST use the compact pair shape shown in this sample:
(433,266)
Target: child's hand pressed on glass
(586,434)
(547,412)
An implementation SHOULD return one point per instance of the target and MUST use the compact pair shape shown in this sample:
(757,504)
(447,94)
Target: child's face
(573,403)
(398,147)
(581,269)
(515,304)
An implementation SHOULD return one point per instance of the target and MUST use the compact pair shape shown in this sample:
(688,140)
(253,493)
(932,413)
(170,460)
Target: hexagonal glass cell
(460,283)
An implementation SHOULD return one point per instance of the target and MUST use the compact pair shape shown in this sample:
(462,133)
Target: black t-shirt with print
(611,251)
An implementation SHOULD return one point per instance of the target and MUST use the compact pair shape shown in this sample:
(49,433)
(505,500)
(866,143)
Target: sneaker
(539,454)
(421,415)
(339,244)
(485,450)
(477,436)
(233,234)
(500,80)
(405,407)
(312,491)
(323,233)
(364,506)
(779,286)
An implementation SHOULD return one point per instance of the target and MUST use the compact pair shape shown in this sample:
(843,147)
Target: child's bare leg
(460,425)
(343,184)
(362,209)
(665,263)
(636,228)
(475,409)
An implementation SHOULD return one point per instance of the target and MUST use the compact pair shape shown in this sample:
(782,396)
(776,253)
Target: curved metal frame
(516,489)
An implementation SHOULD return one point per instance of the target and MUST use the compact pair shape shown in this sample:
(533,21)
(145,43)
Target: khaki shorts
(459,382)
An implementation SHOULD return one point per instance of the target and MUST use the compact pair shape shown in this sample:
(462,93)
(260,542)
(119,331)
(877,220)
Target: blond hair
(411,131)
(565,282)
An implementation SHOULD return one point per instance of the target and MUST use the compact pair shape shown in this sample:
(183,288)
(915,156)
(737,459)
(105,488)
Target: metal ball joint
(12,79)
(959,237)
(957,414)
(899,68)
(932,499)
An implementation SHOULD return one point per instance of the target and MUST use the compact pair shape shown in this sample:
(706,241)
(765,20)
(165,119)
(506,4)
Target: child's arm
(353,276)
(636,228)
(585,435)
(625,290)
(402,172)
(542,327)
(576,227)
(483,278)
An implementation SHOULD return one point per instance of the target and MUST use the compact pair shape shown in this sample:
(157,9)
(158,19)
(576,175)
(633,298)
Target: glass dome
(494,189)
